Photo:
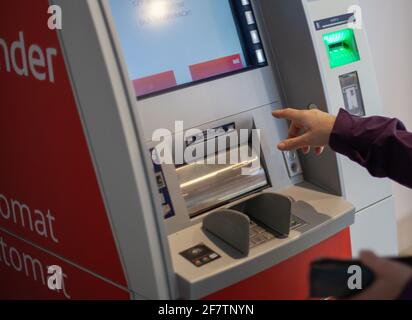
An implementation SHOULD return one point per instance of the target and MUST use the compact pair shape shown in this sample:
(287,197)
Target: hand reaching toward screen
(309,128)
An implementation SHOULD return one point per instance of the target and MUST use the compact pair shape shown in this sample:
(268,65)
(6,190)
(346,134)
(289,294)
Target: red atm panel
(290,279)
(24,275)
(49,193)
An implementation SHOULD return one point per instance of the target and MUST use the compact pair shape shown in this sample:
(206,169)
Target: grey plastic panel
(300,78)
(385,229)
(355,179)
(119,154)
(306,77)
(332,214)
(231,227)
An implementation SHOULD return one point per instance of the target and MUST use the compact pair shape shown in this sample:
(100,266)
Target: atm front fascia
(179,248)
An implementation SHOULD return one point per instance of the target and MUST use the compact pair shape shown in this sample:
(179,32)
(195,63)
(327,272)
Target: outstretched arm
(381,145)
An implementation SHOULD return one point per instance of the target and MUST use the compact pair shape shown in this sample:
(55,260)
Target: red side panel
(216,67)
(288,280)
(155,83)
(49,193)
(23,270)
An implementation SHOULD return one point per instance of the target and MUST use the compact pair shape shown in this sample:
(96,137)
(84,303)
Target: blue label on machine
(165,199)
(334,21)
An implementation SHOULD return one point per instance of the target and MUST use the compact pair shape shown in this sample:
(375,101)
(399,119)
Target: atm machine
(200,74)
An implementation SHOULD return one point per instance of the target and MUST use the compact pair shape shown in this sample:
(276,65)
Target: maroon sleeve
(407,292)
(381,145)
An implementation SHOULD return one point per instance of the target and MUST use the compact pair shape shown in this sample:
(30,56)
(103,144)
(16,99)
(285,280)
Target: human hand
(309,128)
(391,278)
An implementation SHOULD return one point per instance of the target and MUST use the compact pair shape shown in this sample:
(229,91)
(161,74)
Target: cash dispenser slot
(208,186)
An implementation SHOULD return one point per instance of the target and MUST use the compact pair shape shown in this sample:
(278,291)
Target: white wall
(389,27)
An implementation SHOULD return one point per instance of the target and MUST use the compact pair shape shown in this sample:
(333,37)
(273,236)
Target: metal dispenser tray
(208,186)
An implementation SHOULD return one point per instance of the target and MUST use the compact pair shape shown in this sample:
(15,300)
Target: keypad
(259,235)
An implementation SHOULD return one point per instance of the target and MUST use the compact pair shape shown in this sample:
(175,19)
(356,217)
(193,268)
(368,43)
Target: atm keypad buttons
(259,229)
(200,255)
(259,239)
(268,236)
(292,163)
(291,155)
(258,235)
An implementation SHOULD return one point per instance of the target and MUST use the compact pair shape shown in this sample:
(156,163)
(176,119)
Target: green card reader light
(341,47)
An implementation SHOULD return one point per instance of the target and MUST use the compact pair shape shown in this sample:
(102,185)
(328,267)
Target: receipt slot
(204,73)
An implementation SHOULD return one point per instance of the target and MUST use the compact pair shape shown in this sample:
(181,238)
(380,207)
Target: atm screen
(168,44)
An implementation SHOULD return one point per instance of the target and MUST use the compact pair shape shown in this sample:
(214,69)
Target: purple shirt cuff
(340,139)
(376,144)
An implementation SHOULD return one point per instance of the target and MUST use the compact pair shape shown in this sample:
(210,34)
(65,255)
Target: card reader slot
(338,45)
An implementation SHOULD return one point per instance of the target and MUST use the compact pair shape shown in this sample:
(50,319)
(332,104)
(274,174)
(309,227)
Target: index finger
(289,114)
(293,143)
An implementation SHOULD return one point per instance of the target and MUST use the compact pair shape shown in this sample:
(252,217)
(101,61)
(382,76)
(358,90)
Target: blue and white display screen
(169,43)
